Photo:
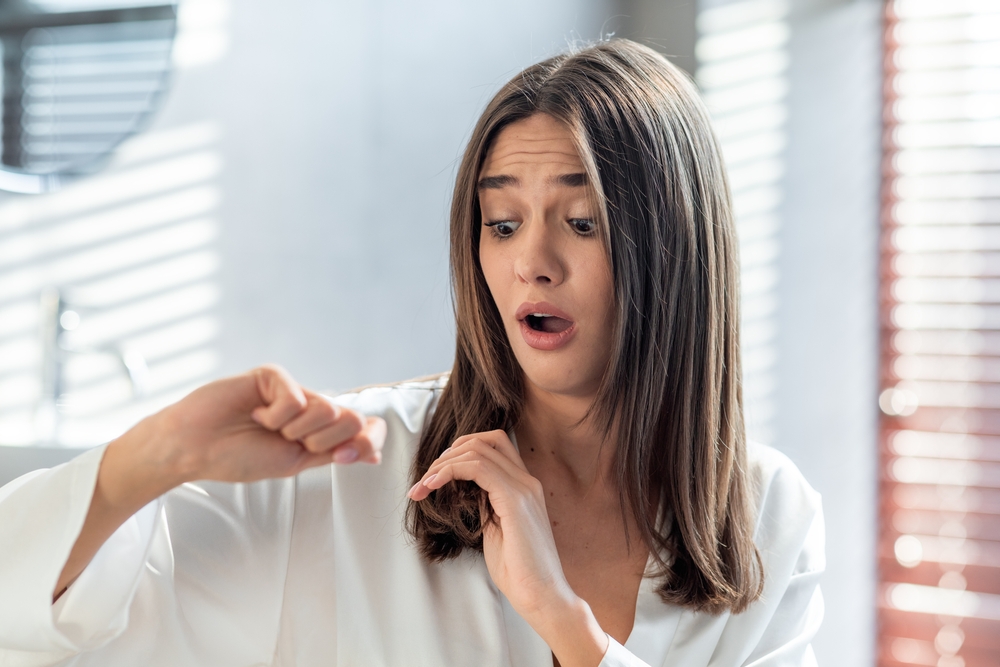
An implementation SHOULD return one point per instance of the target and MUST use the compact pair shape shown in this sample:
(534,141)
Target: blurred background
(190,190)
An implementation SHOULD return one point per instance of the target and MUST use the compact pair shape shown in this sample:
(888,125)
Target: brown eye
(503,228)
(583,226)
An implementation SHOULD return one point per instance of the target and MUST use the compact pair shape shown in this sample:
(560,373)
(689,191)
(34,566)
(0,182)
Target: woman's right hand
(245,428)
(254,426)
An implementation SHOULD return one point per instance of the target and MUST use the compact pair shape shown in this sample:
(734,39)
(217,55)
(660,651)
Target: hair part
(671,396)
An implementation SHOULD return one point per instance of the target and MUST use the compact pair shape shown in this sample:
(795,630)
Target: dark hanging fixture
(76,84)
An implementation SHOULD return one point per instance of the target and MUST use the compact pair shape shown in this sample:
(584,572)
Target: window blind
(939,554)
(134,253)
(742,52)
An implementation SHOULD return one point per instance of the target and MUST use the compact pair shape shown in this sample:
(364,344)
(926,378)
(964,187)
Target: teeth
(540,315)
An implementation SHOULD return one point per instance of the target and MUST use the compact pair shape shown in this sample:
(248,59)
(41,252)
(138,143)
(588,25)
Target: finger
(346,427)
(281,396)
(479,447)
(330,424)
(319,414)
(514,477)
(463,443)
(498,439)
(369,442)
(502,443)
(460,440)
(366,446)
(493,444)
(483,472)
(449,455)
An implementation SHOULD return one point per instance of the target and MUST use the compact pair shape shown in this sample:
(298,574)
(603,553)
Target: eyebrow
(503,180)
(572,180)
(497,182)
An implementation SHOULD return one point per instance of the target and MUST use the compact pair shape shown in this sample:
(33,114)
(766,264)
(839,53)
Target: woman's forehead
(537,142)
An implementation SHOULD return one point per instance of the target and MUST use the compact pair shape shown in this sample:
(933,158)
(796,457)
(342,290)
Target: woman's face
(543,259)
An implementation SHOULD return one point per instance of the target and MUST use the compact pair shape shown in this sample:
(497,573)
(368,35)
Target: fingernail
(413,489)
(345,455)
(427,482)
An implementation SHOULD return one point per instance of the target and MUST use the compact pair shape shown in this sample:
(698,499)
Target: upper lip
(540,308)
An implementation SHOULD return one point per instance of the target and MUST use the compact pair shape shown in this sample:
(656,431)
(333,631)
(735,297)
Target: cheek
(494,271)
(601,289)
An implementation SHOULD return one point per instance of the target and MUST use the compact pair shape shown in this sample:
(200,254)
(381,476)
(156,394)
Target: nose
(539,261)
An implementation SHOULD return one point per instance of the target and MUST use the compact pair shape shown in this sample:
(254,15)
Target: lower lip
(543,340)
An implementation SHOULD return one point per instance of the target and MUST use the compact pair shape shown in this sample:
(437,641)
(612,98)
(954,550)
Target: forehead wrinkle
(501,162)
(508,145)
(538,153)
(502,155)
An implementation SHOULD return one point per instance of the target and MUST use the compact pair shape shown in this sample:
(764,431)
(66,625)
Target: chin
(559,374)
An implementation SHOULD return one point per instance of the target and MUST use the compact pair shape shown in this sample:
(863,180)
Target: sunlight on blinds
(742,72)
(129,259)
(109,287)
(202,26)
(940,538)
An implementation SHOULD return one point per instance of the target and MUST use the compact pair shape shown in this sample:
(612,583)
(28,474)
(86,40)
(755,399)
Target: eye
(583,226)
(503,228)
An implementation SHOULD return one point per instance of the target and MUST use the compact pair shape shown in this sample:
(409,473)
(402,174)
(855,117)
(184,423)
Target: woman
(577,491)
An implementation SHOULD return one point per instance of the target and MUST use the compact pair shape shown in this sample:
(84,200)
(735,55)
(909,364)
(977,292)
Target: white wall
(343,126)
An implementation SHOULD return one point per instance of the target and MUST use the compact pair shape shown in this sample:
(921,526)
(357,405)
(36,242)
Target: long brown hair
(671,394)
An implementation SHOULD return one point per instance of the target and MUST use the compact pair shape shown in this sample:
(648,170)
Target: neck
(553,438)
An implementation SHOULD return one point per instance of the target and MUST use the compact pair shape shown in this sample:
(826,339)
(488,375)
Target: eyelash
(572,222)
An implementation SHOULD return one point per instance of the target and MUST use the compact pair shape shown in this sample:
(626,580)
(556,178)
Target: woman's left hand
(519,548)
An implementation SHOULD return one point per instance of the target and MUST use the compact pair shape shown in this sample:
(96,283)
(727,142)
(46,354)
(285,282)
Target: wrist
(571,630)
(137,468)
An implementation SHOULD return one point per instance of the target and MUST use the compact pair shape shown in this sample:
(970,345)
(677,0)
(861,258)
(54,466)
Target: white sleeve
(94,609)
(41,514)
(172,581)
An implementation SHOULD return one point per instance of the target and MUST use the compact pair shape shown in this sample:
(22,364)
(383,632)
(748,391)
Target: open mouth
(544,326)
(547,323)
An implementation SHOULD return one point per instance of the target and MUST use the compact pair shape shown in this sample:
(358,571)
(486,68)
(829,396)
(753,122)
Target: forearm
(126,482)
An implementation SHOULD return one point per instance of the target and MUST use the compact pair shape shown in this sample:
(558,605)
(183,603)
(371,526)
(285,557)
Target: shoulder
(778,627)
(789,511)
(405,404)
(776,479)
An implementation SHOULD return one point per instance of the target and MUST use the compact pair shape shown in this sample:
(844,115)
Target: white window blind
(134,253)
(743,74)
(939,597)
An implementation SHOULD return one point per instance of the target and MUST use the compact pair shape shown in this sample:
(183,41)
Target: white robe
(317,570)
